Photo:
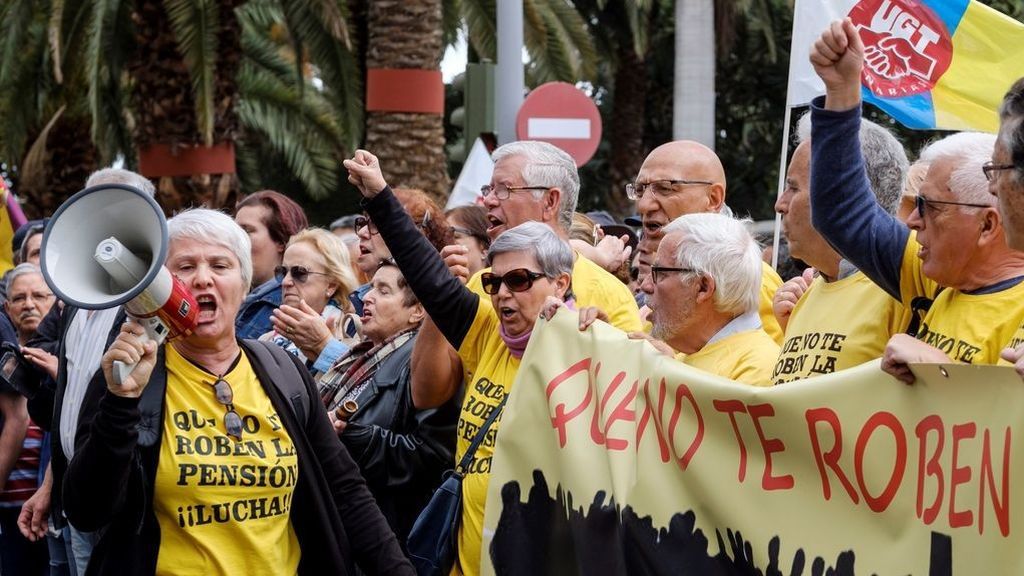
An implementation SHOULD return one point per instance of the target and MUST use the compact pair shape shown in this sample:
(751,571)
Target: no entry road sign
(561,114)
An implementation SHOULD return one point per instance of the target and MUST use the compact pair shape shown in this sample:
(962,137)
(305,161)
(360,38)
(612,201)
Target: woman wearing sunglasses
(529,263)
(213,455)
(314,321)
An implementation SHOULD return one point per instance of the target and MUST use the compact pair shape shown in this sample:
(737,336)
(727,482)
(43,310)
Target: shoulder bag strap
(467,458)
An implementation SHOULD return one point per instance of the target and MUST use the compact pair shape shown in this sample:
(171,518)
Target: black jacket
(402,452)
(47,405)
(109,485)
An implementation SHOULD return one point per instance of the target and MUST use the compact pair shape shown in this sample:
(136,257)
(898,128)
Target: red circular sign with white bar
(906,46)
(561,114)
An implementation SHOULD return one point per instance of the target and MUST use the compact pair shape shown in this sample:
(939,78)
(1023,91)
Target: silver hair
(722,248)
(121,176)
(214,227)
(546,165)
(885,160)
(552,254)
(18,271)
(969,151)
(1011,133)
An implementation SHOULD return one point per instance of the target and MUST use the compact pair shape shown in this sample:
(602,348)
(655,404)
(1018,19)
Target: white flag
(475,173)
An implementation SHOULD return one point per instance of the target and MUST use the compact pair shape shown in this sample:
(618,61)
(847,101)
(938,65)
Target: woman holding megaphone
(214,455)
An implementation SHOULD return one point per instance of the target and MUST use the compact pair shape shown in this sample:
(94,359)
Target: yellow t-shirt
(838,325)
(591,286)
(770,282)
(485,355)
(746,356)
(969,328)
(223,506)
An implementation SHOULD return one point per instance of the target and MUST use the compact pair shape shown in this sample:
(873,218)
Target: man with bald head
(686,177)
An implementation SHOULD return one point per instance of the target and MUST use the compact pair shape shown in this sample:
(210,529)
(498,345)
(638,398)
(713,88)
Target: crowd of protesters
(335,375)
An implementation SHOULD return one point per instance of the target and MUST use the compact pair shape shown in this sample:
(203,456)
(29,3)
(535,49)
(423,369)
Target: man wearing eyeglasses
(532,182)
(686,177)
(959,241)
(840,318)
(703,291)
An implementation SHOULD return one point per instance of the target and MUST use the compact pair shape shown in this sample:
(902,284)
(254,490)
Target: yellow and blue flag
(930,64)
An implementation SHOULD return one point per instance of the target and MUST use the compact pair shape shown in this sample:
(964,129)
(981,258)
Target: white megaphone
(104,247)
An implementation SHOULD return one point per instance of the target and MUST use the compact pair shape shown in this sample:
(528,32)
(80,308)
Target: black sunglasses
(364,221)
(299,273)
(232,421)
(921,203)
(518,280)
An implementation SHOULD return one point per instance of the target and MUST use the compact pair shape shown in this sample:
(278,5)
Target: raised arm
(843,207)
(450,305)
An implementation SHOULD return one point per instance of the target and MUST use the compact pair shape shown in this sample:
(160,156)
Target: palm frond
(482,27)
(34,167)
(15,20)
(336,66)
(195,24)
(574,34)
(104,62)
(54,34)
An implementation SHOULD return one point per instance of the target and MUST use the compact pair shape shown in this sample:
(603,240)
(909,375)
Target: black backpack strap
(467,458)
(919,307)
(284,374)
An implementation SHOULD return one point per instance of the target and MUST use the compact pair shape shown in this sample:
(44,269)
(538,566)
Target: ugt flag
(930,64)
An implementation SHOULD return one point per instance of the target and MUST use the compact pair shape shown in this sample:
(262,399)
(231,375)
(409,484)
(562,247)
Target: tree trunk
(70,158)
(693,110)
(627,127)
(407,35)
(163,106)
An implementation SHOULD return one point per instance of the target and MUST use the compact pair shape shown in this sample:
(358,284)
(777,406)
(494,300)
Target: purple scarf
(517,344)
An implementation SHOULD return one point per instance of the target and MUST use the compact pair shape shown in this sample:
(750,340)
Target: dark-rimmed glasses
(922,202)
(232,421)
(518,280)
(660,187)
(658,271)
(502,192)
(364,221)
(299,273)
(990,169)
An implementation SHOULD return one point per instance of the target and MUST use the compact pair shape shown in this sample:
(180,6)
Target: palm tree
(46,123)
(407,37)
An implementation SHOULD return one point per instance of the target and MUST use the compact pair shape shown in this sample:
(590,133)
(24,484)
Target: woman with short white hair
(214,455)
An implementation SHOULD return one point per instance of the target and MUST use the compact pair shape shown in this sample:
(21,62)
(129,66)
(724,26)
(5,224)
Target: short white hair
(121,176)
(722,248)
(214,227)
(969,151)
(546,165)
(553,255)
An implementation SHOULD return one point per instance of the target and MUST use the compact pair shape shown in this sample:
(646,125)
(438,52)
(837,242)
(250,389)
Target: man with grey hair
(20,439)
(840,318)
(532,181)
(78,339)
(954,252)
(704,291)
(687,177)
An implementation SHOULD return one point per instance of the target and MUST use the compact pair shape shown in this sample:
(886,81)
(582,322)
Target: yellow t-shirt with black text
(969,328)
(746,357)
(770,283)
(838,325)
(485,355)
(223,505)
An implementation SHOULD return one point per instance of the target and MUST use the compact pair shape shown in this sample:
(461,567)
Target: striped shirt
(24,478)
(84,344)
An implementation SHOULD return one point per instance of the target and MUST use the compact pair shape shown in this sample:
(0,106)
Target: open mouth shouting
(207,308)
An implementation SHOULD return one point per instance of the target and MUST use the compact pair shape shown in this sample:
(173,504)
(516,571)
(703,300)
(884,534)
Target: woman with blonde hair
(313,321)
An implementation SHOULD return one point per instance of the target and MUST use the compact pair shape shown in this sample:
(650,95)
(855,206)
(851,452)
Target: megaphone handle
(155,331)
